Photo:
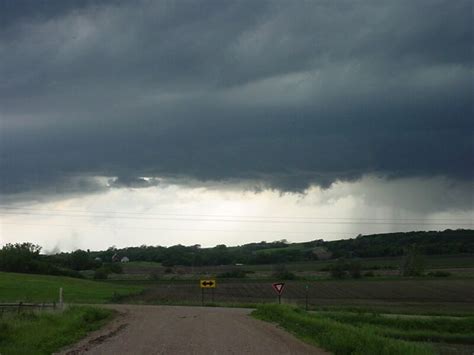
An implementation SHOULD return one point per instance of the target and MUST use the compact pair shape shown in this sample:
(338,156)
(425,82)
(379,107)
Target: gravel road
(142,329)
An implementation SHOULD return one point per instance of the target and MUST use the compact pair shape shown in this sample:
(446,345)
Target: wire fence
(19,307)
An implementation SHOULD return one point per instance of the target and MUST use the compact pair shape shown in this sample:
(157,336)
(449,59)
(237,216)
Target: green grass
(403,309)
(47,332)
(337,337)
(42,288)
(433,329)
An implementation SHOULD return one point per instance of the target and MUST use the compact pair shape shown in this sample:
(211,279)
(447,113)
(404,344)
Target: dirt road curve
(189,330)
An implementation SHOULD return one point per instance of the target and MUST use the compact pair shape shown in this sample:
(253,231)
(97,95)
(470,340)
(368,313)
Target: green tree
(355,269)
(80,260)
(413,264)
(339,269)
(19,257)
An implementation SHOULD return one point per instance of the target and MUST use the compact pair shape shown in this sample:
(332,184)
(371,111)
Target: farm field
(458,266)
(438,296)
(41,288)
(385,292)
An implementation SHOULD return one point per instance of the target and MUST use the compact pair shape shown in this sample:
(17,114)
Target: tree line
(27,257)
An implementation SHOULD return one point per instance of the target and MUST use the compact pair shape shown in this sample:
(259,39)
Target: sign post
(278,287)
(207,284)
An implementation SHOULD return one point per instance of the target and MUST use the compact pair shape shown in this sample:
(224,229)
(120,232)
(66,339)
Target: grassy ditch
(47,332)
(336,336)
(427,329)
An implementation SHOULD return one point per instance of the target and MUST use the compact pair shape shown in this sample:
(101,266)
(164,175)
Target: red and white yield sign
(278,287)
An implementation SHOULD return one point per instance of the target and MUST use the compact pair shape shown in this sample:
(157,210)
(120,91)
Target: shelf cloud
(279,95)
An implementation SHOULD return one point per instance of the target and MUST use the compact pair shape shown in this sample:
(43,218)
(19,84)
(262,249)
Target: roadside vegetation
(48,332)
(349,333)
(456,330)
(42,288)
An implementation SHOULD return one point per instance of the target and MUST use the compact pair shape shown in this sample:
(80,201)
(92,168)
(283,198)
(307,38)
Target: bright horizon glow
(176,214)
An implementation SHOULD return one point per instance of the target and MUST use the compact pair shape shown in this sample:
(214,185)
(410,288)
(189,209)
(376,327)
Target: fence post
(61,297)
(19,307)
(306,296)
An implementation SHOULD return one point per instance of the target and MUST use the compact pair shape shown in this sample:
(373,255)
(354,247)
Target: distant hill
(394,244)
(377,245)
(26,257)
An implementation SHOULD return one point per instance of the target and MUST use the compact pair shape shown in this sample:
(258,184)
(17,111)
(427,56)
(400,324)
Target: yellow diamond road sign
(207,283)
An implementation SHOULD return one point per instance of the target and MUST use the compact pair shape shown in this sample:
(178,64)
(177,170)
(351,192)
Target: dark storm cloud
(285,93)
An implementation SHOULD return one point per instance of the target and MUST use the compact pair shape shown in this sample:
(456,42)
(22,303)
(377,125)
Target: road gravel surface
(144,329)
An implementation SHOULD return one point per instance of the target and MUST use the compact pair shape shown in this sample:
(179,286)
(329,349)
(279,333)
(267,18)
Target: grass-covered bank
(42,288)
(427,329)
(336,336)
(47,332)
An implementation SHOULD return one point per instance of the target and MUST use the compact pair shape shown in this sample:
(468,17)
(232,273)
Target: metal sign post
(207,284)
(278,287)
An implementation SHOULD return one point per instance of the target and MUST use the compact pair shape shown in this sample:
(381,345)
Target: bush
(339,269)
(65,272)
(238,274)
(281,272)
(100,274)
(92,315)
(343,269)
(439,274)
(369,274)
(338,273)
(154,275)
(354,269)
(113,268)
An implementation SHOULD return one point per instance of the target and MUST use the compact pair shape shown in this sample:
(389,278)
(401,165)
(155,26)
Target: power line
(176,229)
(249,219)
(221,215)
(235,220)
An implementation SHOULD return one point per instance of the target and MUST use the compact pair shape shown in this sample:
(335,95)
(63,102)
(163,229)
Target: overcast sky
(166,122)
